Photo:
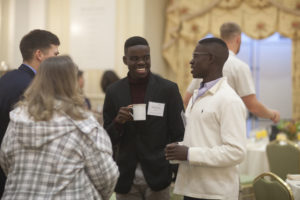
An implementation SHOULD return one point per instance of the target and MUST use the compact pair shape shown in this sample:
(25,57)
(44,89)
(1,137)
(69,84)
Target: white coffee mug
(139,112)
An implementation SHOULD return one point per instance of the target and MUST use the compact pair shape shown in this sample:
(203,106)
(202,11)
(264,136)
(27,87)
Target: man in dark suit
(35,47)
(144,171)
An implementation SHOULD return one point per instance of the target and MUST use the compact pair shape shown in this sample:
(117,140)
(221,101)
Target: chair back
(269,186)
(283,157)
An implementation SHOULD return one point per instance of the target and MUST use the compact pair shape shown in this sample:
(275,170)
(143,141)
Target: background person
(81,86)
(215,135)
(145,174)
(238,75)
(107,79)
(35,47)
(53,148)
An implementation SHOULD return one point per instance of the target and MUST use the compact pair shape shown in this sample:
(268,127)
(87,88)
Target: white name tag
(156,109)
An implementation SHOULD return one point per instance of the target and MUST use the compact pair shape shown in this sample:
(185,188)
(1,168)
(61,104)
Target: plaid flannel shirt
(57,159)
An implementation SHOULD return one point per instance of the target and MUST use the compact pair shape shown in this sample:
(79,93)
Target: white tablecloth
(295,186)
(256,161)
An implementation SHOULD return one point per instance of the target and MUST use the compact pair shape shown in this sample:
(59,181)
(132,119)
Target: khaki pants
(144,192)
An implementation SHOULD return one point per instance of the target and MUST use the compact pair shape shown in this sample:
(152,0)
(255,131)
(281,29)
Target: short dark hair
(135,40)
(213,40)
(108,78)
(37,39)
(216,47)
(229,30)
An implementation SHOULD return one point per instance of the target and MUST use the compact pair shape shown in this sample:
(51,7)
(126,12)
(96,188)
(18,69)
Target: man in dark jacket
(35,47)
(144,171)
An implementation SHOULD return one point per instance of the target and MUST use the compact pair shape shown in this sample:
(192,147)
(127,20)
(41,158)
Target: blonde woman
(53,148)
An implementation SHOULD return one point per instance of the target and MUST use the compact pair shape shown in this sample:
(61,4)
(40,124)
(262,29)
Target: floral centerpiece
(290,127)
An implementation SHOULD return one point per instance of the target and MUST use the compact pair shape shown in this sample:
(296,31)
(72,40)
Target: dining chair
(269,186)
(283,157)
(246,187)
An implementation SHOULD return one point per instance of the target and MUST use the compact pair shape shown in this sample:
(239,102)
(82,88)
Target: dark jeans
(191,198)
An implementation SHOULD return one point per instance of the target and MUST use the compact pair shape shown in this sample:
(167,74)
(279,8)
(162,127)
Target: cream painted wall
(144,18)
(7,28)
(154,32)
(133,17)
(130,21)
(4,29)
(58,22)
(18,18)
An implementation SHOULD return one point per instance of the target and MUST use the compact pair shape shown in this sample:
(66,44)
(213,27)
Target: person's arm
(233,136)
(244,87)
(3,162)
(258,109)
(175,151)
(99,165)
(114,118)
(6,142)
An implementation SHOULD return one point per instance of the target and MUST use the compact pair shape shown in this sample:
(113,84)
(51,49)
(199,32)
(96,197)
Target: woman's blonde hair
(54,89)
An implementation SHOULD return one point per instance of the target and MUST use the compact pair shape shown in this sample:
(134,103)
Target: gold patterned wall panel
(289,6)
(170,40)
(258,3)
(230,4)
(189,21)
(296,79)
(289,25)
(258,23)
(218,16)
(198,8)
(192,30)
(185,70)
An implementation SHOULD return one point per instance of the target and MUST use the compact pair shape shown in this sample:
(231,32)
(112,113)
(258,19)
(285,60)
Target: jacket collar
(27,70)
(150,90)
